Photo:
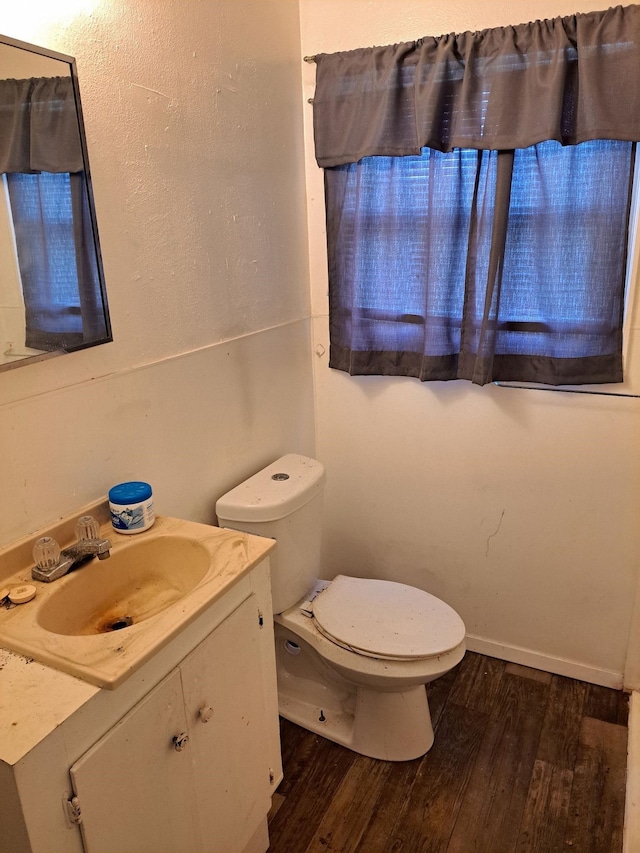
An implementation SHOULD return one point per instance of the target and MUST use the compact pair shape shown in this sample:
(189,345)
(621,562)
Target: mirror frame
(71,62)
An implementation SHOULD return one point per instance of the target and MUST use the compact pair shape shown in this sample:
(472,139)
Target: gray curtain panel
(39,129)
(570,79)
(478,191)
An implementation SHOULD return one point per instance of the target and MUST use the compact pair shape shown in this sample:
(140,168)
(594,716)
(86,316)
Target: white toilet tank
(282,502)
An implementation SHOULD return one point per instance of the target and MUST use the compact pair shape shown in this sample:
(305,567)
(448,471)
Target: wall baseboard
(548,663)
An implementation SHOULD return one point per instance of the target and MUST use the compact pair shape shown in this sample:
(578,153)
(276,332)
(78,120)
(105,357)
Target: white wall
(193,116)
(519,508)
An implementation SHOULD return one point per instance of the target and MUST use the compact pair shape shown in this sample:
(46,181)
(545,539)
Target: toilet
(353,655)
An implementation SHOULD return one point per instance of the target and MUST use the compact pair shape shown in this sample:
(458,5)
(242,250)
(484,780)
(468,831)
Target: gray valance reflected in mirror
(52,292)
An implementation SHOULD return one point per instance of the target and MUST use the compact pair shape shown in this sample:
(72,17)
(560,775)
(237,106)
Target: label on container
(133,518)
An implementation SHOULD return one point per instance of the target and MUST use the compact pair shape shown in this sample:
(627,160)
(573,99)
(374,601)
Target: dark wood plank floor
(523,762)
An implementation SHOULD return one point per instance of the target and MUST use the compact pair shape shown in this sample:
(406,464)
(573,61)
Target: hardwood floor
(523,762)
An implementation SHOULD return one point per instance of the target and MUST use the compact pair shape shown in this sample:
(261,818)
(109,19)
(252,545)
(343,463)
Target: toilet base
(393,725)
(388,726)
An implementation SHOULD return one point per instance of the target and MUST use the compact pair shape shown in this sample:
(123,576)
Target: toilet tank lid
(273,493)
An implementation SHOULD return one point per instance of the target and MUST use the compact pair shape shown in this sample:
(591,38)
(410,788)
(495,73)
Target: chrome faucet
(53,563)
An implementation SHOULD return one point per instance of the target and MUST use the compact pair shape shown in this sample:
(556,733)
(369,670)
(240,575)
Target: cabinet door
(224,699)
(134,786)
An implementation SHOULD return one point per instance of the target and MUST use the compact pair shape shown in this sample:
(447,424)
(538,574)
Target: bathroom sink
(106,618)
(136,582)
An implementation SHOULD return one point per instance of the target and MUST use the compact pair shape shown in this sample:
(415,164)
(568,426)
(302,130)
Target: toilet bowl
(371,700)
(353,655)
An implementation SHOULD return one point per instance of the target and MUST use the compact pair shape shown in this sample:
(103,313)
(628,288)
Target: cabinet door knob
(205,713)
(180,741)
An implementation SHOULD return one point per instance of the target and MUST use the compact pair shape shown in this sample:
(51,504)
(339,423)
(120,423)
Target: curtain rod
(309,59)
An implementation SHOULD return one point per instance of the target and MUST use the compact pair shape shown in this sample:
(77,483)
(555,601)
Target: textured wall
(193,115)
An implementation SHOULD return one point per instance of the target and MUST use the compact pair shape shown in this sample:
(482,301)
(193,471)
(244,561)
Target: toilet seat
(385,619)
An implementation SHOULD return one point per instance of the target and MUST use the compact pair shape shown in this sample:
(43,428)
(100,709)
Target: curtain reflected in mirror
(52,296)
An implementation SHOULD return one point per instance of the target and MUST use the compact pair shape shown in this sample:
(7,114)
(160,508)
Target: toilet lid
(385,619)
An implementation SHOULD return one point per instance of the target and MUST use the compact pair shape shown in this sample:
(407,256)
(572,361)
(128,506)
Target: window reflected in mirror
(52,292)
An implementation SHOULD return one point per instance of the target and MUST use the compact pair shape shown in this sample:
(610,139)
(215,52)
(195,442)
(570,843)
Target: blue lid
(130,493)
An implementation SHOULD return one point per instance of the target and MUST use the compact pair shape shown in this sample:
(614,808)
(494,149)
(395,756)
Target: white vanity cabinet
(191,757)
(133,791)
(183,757)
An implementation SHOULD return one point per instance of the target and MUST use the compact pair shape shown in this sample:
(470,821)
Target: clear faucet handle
(87,528)
(46,552)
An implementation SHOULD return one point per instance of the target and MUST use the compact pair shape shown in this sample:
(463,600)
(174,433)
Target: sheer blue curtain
(478,189)
(43,227)
(58,270)
(481,265)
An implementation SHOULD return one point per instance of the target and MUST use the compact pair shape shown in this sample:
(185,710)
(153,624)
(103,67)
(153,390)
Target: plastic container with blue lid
(131,507)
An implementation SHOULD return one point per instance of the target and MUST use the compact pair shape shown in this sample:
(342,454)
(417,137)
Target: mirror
(52,293)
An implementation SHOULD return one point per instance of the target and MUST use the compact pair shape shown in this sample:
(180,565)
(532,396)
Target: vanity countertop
(35,698)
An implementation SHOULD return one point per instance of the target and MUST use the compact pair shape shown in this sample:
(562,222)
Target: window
(57,301)
(58,270)
(42,203)
(410,263)
(478,193)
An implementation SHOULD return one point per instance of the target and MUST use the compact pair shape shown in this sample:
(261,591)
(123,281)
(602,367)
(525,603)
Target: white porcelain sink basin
(136,582)
(106,618)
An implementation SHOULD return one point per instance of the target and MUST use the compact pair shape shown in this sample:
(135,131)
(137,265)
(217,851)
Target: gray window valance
(39,129)
(569,79)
